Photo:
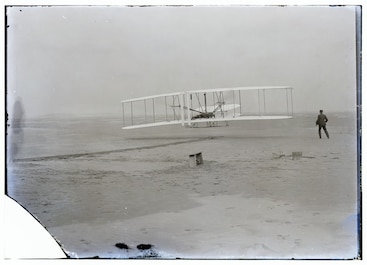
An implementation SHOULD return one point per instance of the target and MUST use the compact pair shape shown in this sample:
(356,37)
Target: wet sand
(249,199)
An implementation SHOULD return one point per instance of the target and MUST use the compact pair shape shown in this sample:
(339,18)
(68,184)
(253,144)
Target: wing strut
(165,105)
(264,101)
(234,103)
(188,96)
(239,97)
(145,110)
(292,101)
(258,100)
(132,121)
(123,114)
(182,110)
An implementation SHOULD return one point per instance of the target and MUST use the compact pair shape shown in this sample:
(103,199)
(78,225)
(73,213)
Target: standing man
(321,122)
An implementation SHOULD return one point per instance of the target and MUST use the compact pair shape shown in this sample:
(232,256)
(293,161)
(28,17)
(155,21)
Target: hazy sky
(85,60)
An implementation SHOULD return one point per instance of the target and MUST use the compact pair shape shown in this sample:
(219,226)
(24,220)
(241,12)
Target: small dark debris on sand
(122,245)
(147,251)
(144,246)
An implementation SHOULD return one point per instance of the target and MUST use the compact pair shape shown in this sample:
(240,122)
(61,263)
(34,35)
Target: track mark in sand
(282,237)
(57,157)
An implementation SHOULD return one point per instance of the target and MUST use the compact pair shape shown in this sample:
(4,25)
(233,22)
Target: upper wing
(231,89)
(152,97)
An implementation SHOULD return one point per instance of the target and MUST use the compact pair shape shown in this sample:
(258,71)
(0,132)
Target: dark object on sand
(144,246)
(122,245)
(195,159)
(147,251)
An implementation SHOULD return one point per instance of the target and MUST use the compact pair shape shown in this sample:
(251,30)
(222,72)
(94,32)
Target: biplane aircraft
(210,107)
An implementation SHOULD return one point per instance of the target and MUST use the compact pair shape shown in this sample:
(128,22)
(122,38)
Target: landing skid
(207,124)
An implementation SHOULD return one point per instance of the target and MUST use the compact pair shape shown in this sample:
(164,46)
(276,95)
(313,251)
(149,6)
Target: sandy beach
(93,185)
